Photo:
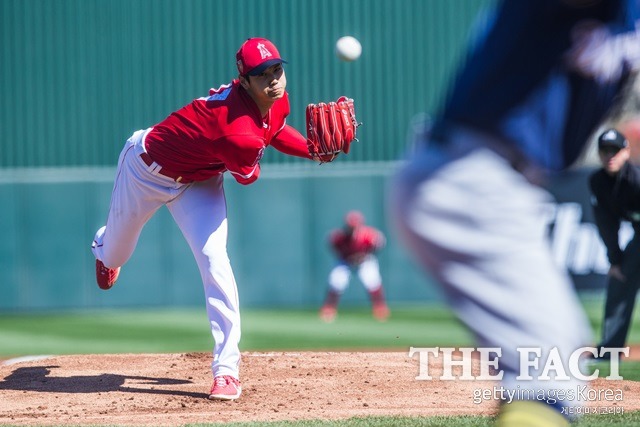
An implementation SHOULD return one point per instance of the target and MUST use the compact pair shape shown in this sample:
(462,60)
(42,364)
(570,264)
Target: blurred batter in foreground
(469,204)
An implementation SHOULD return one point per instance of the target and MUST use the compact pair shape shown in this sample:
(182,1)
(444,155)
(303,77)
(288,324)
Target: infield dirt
(171,389)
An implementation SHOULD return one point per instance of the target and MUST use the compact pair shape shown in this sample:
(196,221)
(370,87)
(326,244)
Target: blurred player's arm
(603,52)
(373,239)
(334,240)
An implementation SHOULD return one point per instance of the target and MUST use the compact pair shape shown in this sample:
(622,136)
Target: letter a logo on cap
(255,55)
(264,52)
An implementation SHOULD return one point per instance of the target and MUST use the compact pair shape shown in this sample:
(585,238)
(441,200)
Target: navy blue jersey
(516,83)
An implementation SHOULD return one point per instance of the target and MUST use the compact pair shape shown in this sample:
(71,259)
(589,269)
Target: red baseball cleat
(328,313)
(381,311)
(105,276)
(225,387)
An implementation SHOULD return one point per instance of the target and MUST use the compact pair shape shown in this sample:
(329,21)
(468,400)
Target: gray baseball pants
(478,228)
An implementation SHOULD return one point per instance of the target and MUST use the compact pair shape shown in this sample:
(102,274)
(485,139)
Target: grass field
(147,331)
(185,330)
(627,420)
(632,419)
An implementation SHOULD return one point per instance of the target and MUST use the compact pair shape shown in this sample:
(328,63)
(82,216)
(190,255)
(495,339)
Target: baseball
(348,48)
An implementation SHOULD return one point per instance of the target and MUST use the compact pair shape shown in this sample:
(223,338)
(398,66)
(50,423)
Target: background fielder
(355,245)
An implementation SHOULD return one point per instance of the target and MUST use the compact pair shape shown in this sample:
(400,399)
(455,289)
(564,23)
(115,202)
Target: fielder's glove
(331,127)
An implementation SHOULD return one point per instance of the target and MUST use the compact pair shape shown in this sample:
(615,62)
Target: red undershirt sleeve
(291,142)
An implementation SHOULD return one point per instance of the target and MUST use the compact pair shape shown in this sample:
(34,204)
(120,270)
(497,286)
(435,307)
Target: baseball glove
(331,127)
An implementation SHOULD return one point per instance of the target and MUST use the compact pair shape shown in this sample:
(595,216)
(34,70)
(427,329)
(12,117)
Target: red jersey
(224,131)
(354,247)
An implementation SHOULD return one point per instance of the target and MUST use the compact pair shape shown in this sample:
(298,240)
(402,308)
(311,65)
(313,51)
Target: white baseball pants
(200,211)
(368,273)
(478,227)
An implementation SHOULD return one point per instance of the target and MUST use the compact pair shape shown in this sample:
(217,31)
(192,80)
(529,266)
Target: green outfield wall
(79,76)
(278,228)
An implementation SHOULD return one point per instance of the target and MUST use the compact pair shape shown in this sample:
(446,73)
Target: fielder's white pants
(477,226)
(368,273)
(200,211)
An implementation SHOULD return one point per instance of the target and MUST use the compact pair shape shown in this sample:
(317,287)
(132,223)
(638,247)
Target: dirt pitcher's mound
(171,389)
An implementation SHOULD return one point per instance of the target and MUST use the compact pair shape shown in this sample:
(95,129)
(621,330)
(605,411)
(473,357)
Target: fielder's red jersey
(354,247)
(224,131)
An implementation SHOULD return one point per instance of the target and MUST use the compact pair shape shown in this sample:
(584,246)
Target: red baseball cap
(256,55)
